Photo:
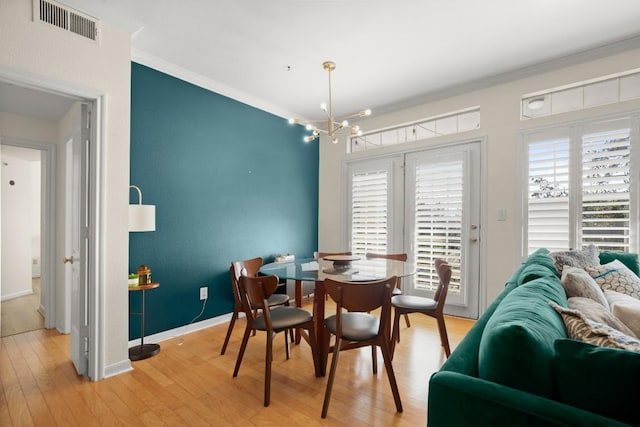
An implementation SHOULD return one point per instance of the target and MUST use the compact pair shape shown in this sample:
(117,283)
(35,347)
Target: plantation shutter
(606,188)
(374,201)
(439,207)
(548,194)
(369,196)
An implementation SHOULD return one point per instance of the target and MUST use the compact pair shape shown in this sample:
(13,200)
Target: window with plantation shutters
(580,189)
(369,196)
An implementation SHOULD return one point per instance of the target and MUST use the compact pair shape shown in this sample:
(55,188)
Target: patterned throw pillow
(587,257)
(582,329)
(578,283)
(595,312)
(616,277)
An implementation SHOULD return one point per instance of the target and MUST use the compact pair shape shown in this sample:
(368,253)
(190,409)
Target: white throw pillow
(626,308)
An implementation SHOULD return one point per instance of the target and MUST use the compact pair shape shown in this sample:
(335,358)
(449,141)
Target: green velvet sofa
(516,366)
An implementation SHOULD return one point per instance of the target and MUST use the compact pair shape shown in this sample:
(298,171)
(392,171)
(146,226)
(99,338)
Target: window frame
(575,130)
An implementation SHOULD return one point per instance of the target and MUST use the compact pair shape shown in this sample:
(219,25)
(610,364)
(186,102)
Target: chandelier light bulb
(344,123)
(334,139)
(292,121)
(323,106)
(309,126)
(309,138)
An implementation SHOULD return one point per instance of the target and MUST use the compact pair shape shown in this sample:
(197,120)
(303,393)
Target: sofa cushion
(600,380)
(578,283)
(538,264)
(625,308)
(617,277)
(596,312)
(583,329)
(521,332)
(587,257)
(628,259)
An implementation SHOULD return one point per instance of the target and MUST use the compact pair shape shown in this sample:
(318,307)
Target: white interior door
(77,239)
(442,220)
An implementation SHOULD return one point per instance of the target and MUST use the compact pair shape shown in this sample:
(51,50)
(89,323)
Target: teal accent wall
(229,182)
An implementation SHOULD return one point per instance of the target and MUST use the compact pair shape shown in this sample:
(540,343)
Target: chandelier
(334,125)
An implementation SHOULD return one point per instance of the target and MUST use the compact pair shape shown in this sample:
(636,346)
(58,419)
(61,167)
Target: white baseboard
(117,368)
(17,295)
(125,365)
(183,330)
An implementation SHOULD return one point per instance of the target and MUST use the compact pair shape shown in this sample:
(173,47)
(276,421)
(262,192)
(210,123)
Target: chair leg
(406,320)
(444,339)
(243,347)
(229,329)
(286,342)
(332,374)
(395,337)
(267,368)
(374,359)
(386,354)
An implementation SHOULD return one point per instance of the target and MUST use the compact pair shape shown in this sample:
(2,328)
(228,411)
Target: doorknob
(68,260)
(473,239)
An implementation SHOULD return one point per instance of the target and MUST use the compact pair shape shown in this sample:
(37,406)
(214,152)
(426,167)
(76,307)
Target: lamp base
(139,352)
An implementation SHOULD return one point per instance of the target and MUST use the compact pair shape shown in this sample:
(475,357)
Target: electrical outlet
(204,293)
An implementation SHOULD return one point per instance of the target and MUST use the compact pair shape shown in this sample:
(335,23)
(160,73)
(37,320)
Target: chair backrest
(397,257)
(254,292)
(363,297)
(251,266)
(324,254)
(444,274)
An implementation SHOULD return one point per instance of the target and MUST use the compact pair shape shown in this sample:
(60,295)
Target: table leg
(298,304)
(322,335)
(143,351)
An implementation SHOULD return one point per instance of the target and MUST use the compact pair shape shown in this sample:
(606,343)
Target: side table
(142,351)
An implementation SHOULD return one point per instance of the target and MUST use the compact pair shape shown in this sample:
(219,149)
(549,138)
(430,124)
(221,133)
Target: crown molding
(181,73)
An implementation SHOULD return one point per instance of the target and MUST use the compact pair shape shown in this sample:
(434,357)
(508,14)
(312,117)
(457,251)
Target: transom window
(445,124)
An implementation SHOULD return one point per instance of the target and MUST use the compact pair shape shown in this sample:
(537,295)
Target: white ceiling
(389,54)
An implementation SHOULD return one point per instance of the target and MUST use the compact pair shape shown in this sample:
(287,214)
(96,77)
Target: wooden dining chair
(251,267)
(398,289)
(434,307)
(358,328)
(255,292)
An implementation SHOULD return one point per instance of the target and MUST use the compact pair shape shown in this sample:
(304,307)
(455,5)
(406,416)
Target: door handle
(473,239)
(68,260)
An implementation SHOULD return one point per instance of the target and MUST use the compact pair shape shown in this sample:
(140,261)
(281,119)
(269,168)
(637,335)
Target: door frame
(95,266)
(48,222)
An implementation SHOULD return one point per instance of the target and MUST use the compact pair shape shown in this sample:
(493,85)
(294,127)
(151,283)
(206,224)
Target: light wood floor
(21,314)
(190,384)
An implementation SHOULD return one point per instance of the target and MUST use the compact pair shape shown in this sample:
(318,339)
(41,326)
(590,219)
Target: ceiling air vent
(66,18)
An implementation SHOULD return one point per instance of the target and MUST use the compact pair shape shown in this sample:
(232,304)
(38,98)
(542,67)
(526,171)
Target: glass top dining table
(360,269)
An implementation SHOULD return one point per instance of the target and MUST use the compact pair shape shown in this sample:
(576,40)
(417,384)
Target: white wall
(500,124)
(16,227)
(41,53)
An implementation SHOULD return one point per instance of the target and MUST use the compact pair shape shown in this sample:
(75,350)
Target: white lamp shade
(142,218)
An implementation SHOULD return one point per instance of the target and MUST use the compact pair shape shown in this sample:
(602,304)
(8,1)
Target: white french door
(426,204)
(442,220)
